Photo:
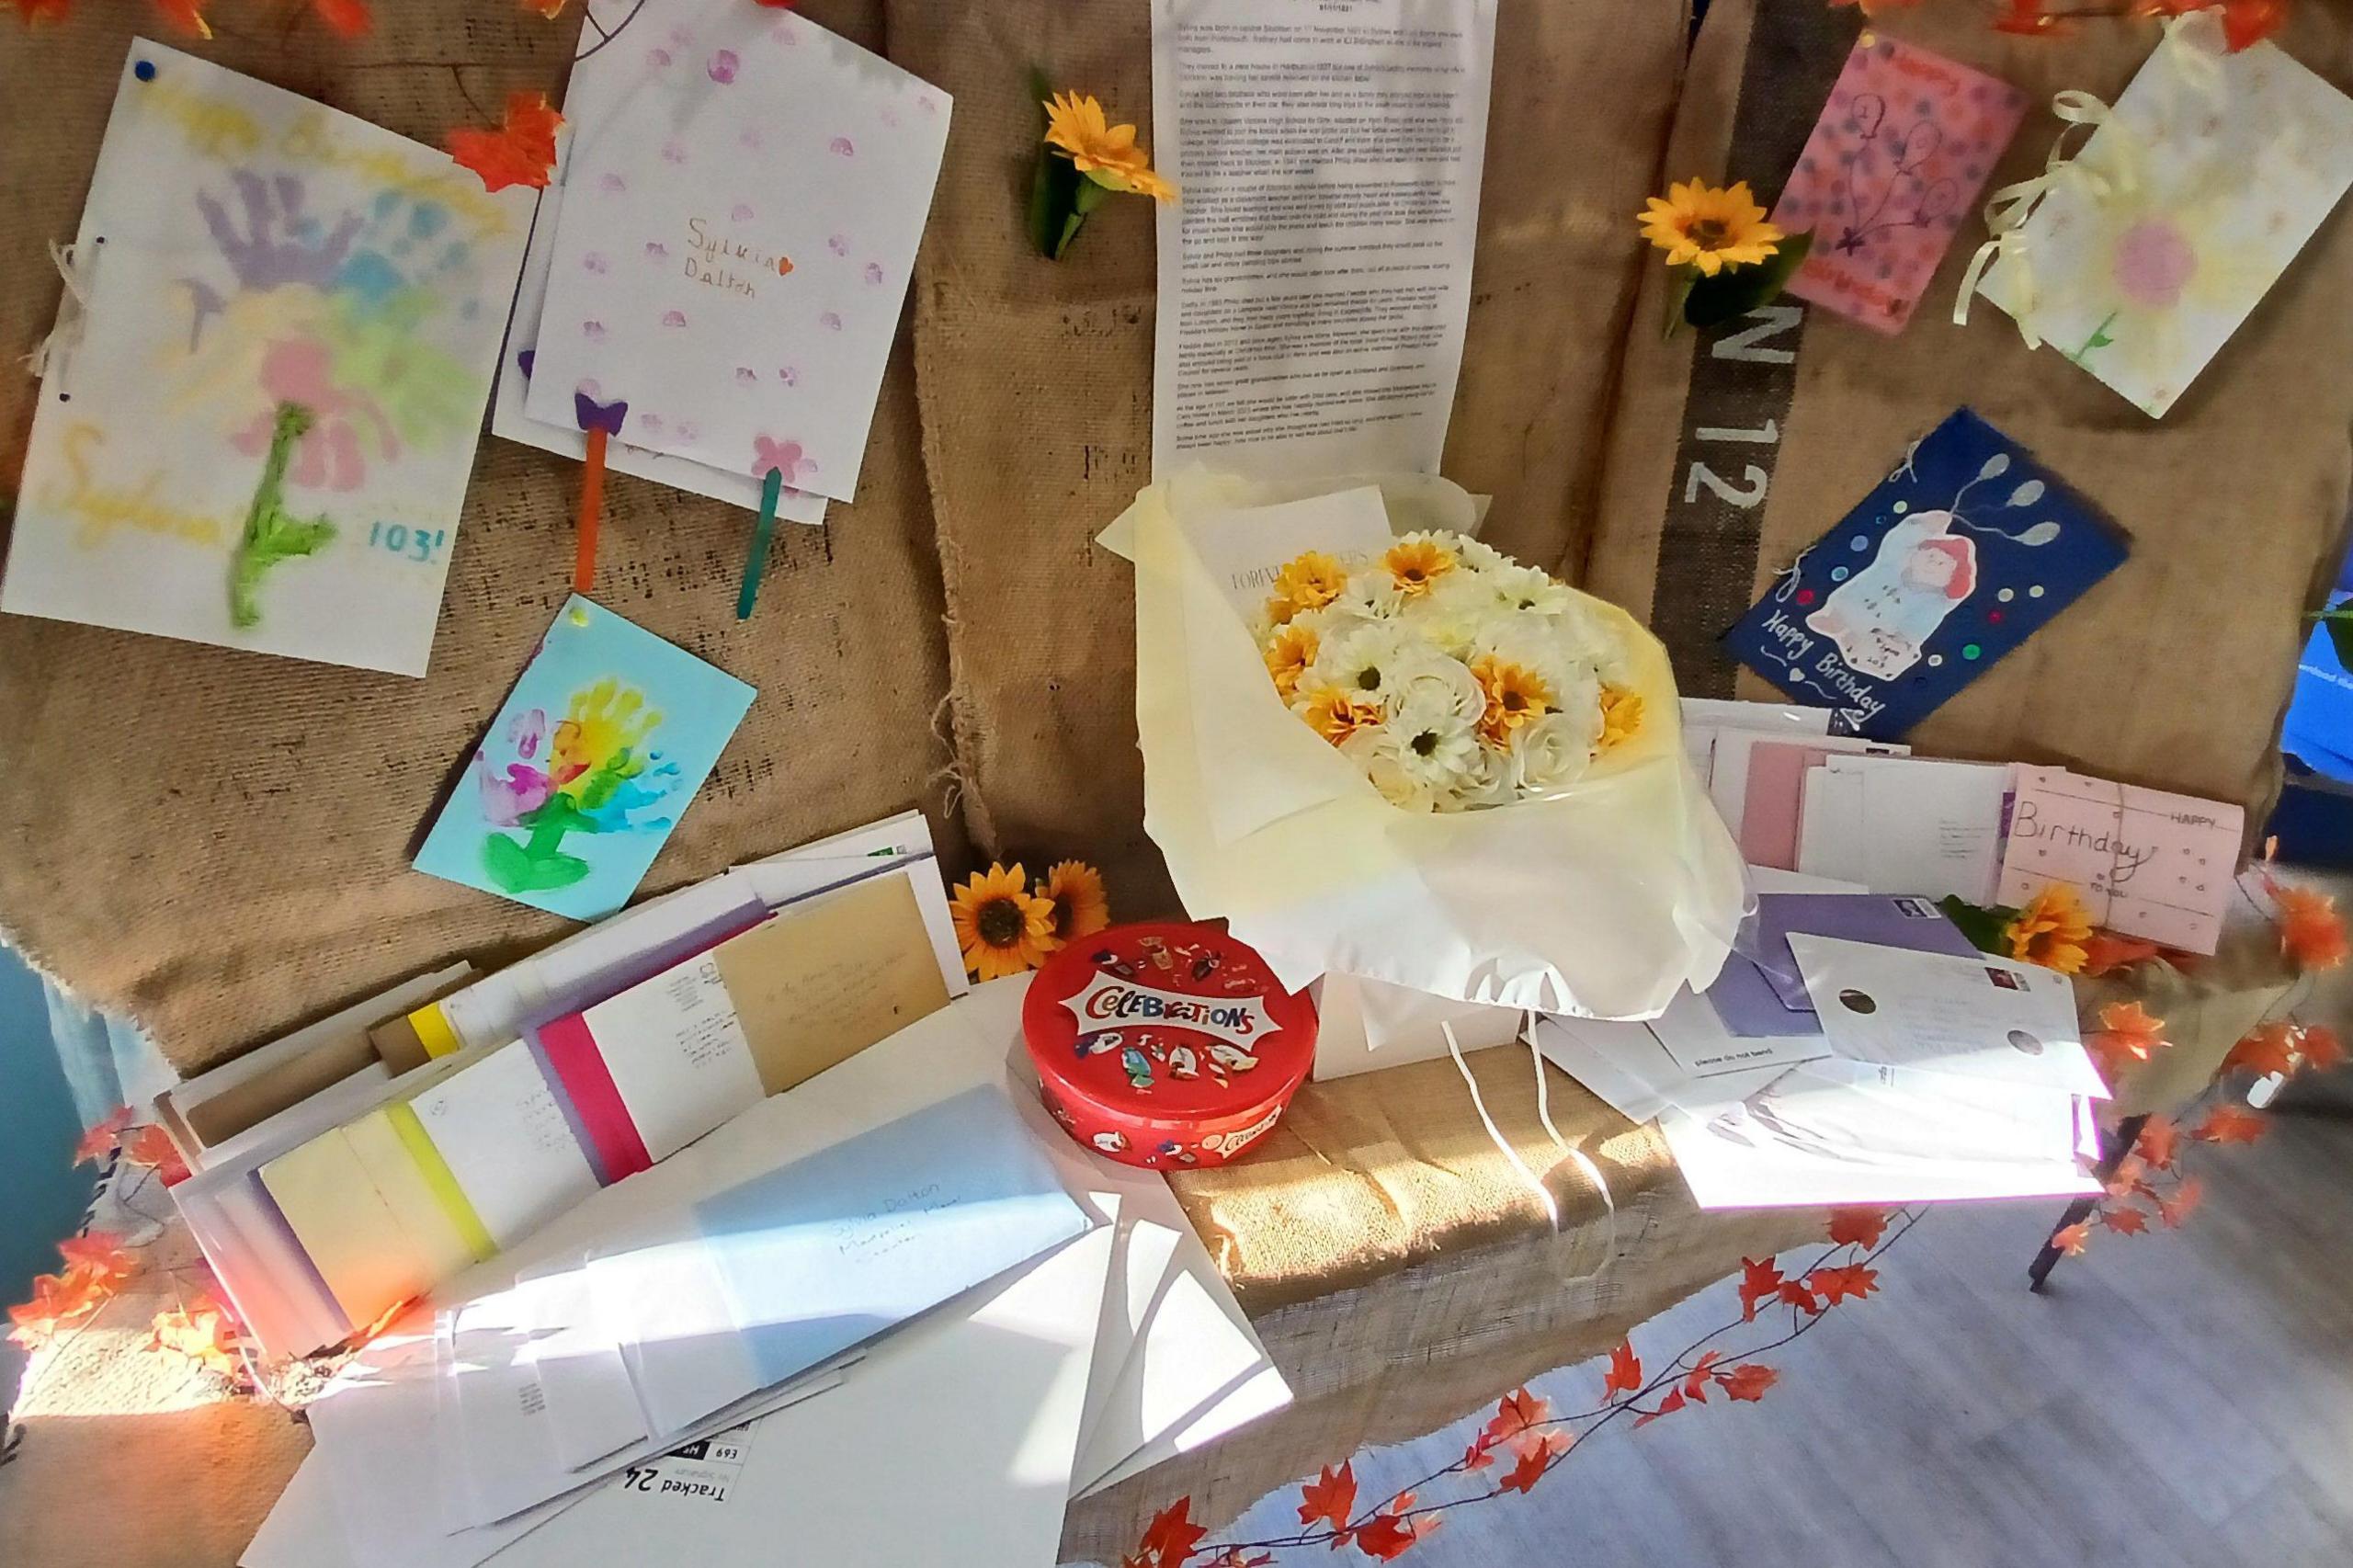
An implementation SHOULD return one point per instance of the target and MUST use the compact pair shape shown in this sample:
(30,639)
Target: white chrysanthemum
(1371,596)
(1367,660)
(1436,744)
(1550,754)
(1376,753)
(1452,614)
(1524,589)
(1479,557)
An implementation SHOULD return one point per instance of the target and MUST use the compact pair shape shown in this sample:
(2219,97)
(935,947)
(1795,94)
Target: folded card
(2146,863)
(259,430)
(1901,150)
(742,201)
(2139,257)
(588,765)
(1958,556)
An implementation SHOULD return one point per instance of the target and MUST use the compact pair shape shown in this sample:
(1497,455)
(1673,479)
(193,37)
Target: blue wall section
(41,1192)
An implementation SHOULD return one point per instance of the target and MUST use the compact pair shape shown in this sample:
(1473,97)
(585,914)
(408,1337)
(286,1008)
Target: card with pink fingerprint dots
(744,197)
(1890,171)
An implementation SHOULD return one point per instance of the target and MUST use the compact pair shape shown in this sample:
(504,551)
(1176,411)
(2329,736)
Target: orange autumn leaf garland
(187,15)
(520,151)
(345,18)
(35,12)
(1536,1437)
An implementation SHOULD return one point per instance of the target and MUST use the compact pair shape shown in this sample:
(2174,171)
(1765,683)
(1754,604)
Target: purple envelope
(1761,993)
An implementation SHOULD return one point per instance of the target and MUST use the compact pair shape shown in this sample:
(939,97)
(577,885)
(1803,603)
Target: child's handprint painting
(587,768)
(288,324)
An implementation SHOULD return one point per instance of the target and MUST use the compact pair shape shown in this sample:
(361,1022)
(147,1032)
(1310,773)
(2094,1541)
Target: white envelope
(1979,1017)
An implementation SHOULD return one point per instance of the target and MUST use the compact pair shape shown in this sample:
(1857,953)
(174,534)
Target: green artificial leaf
(1982,926)
(1737,290)
(1679,280)
(2341,636)
(1058,202)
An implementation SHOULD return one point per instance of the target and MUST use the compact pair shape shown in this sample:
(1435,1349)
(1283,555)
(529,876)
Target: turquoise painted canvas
(598,751)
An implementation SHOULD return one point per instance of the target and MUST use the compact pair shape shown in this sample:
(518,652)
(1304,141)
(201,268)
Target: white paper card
(745,195)
(1926,829)
(678,1054)
(1701,1046)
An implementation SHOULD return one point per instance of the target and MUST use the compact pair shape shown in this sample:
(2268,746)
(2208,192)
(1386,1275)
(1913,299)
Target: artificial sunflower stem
(772,491)
(592,512)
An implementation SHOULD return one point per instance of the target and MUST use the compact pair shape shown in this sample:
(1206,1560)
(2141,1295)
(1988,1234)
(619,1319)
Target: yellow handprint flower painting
(587,768)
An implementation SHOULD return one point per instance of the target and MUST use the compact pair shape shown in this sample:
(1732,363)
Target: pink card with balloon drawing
(742,205)
(1897,159)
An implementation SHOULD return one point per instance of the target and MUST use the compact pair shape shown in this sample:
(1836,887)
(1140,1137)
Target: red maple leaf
(99,1255)
(1172,1536)
(1748,1380)
(2127,1034)
(2071,1240)
(1860,1226)
(199,1332)
(38,11)
(779,4)
(2107,952)
(2124,1219)
(1759,1281)
(1695,1384)
(1519,1411)
(2159,1143)
(1392,1535)
(345,18)
(99,1142)
(1476,1457)
(2319,1047)
(551,9)
(1330,1498)
(2172,1211)
(1625,1374)
(188,15)
(1836,1285)
(58,1299)
(1668,1406)
(2027,18)
(2245,22)
(152,1146)
(521,152)
(1536,1451)
(1801,1296)
(2270,1048)
(2229,1124)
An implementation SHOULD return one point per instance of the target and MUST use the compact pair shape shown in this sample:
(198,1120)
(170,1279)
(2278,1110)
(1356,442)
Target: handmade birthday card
(2146,863)
(1958,556)
(2137,258)
(742,206)
(259,410)
(1902,147)
(597,752)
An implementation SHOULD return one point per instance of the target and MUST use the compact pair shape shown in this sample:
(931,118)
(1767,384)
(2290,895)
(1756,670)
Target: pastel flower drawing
(601,776)
(785,457)
(723,66)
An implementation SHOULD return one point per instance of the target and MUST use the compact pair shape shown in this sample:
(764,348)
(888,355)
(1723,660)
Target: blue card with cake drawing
(1959,555)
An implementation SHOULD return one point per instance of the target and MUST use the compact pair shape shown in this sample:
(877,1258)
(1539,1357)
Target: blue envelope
(824,1253)
(1958,556)
(1761,994)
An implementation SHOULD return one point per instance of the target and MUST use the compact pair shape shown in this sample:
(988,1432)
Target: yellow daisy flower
(2051,931)
(1308,582)
(1002,927)
(1106,153)
(1288,654)
(1699,225)
(1415,563)
(1516,695)
(1332,713)
(1621,715)
(1075,891)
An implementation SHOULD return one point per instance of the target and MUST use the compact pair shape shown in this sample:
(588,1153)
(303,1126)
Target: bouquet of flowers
(1454,676)
(1381,749)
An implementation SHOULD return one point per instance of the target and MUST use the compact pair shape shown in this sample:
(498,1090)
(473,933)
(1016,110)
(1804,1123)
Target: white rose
(1376,753)
(1550,754)
(1432,682)
(1487,781)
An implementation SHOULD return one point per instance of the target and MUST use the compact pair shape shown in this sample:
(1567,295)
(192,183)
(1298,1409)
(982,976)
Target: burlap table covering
(2173,672)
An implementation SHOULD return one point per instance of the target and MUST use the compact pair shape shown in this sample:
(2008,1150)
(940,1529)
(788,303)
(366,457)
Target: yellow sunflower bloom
(2052,931)
(1515,696)
(1002,927)
(1288,654)
(1106,153)
(1699,225)
(1621,715)
(1307,582)
(1075,891)
(1332,713)
(1415,563)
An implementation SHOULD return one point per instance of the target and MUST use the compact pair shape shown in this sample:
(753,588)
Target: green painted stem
(271,534)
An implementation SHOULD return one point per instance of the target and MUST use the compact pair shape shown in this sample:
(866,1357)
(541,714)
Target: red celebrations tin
(1167,1045)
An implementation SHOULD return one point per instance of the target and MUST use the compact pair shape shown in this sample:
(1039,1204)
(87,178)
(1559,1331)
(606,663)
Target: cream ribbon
(67,335)
(1543,1113)
(2007,209)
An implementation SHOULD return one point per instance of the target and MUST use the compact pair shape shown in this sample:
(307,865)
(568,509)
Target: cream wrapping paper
(1600,901)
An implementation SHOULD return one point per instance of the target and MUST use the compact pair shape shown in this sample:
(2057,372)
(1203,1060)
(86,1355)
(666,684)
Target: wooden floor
(2183,1398)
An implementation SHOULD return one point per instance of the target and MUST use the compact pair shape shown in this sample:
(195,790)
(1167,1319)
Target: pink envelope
(1903,148)
(2147,863)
